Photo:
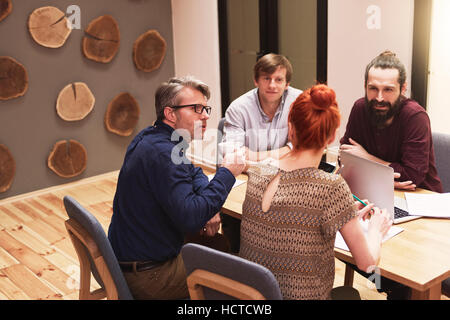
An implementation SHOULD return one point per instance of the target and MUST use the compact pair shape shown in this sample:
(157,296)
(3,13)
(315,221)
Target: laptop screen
(369,180)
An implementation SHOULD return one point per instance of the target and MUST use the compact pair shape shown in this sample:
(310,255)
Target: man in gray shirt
(258,121)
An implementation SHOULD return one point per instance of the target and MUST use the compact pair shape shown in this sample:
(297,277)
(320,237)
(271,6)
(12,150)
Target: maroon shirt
(407,143)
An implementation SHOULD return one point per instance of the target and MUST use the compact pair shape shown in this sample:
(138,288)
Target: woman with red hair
(292,210)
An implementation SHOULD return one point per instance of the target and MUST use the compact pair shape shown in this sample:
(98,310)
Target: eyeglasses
(198,108)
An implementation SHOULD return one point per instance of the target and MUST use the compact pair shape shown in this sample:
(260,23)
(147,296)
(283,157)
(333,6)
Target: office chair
(95,254)
(215,275)
(441,143)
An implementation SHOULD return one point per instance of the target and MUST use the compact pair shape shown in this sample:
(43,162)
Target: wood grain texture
(49,27)
(75,101)
(149,50)
(67,158)
(7,168)
(5,8)
(102,39)
(52,268)
(13,78)
(122,114)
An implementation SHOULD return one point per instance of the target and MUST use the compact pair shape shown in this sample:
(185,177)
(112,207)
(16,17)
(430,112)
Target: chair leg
(349,275)
(85,273)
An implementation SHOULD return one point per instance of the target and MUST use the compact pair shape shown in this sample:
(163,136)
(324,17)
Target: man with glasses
(257,121)
(161,197)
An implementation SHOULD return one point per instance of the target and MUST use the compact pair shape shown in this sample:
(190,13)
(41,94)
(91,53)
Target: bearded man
(391,129)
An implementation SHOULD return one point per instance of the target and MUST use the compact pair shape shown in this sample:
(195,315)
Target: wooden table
(418,257)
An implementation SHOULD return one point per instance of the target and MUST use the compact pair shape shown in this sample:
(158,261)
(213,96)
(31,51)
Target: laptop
(373,181)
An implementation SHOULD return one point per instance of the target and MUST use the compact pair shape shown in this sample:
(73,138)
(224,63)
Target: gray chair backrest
(94,228)
(441,143)
(196,256)
(219,140)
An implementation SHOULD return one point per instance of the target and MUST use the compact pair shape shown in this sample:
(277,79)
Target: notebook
(340,242)
(374,181)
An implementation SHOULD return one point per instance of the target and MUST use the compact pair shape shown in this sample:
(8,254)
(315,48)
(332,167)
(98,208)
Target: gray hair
(167,93)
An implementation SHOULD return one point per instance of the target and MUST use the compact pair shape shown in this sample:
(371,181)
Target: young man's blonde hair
(269,63)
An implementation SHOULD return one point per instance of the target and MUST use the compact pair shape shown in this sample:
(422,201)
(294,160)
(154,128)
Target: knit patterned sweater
(295,237)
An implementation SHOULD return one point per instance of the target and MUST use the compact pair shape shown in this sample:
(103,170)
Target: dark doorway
(251,28)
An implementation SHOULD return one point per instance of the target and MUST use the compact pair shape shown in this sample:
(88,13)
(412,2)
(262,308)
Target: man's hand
(355,149)
(212,226)
(358,150)
(403,185)
(235,162)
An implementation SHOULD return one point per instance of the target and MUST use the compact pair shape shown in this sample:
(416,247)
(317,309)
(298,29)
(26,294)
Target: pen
(358,199)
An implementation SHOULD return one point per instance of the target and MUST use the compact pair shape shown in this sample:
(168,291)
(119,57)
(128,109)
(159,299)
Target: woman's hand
(380,221)
(364,212)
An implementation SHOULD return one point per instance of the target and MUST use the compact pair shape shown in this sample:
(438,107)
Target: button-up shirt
(161,196)
(248,125)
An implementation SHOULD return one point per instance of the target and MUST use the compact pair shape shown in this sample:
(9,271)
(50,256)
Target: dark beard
(379,119)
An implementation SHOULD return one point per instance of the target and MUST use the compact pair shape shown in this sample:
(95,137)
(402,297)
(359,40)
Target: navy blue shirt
(161,196)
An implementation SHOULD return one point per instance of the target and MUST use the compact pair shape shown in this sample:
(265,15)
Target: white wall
(196,52)
(358,30)
(438,104)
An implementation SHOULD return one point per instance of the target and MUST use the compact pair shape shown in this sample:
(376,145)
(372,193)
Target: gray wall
(29,125)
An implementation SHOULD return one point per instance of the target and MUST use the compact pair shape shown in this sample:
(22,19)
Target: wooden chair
(215,275)
(95,254)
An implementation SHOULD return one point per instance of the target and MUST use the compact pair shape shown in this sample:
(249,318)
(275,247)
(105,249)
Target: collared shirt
(248,125)
(406,143)
(161,196)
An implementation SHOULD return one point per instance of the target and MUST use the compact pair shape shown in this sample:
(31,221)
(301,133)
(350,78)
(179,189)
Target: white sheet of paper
(340,242)
(238,182)
(429,205)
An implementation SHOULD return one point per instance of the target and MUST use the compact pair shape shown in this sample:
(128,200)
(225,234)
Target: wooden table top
(418,257)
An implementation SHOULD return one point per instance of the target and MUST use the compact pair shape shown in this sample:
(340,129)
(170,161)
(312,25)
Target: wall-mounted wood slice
(67,158)
(5,8)
(75,101)
(7,168)
(122,114)
(149,51)
(13,79)
(102,39)
(49,27)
